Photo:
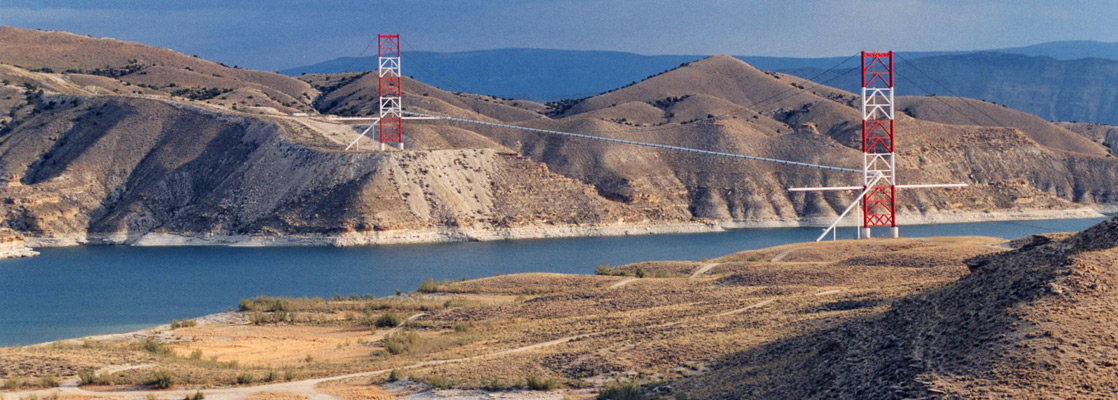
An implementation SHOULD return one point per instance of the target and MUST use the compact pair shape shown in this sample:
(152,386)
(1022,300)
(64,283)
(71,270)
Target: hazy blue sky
(276,34)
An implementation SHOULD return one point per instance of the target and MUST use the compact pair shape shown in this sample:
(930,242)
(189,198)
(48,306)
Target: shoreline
(448,235)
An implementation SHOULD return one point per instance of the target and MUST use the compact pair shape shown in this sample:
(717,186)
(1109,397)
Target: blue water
(79,291)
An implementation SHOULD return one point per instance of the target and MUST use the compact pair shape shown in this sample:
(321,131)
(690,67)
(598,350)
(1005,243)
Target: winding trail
(622,283)
(703,269)
(780,256)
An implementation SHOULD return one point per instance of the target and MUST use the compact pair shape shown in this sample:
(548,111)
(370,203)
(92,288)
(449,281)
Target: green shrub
(189,323)
(622,391)
(640,272)
(394,375)
(493,384)
(535,383)
(429,286)
(461,328)
(48,382)
(603,269)
(389,320)
(266,304)
(161,379)
(271,377)
(87,376)
(198,395)
(245,379)
(12,384)
(175,324)
(196,354)
(400,342)
(437,381)
(154,347)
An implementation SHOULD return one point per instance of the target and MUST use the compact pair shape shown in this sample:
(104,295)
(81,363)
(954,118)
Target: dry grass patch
(270,395)
(355,392)
(263,346)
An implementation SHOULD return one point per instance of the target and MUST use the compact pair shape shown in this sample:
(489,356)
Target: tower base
(865,233)
(896,232)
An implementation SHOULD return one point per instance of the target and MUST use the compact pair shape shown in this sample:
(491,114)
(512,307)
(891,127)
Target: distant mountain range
(1062,81)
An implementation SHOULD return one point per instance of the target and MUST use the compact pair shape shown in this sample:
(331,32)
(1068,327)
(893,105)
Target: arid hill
(1029,323)
(99,66)
(111,141)
(720,103)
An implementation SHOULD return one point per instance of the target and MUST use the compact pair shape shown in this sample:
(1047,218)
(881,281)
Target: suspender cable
(708,152)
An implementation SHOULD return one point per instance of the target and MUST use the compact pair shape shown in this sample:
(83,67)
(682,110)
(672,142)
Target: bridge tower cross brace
(391,123)
(879,206)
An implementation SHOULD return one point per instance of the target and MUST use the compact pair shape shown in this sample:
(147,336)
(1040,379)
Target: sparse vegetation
(401,342)
(154,347)
(629,390)
(87,376)
(608,270)
(200,93)
(48,382)
(533,382)
(161,379)
(245,379)
(389,320)
(493,384)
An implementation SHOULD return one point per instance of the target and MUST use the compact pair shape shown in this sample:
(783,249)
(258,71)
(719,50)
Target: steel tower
(391,112)
(879,207)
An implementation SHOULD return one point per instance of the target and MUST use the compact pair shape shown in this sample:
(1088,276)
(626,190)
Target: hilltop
(553,75)
(117,142)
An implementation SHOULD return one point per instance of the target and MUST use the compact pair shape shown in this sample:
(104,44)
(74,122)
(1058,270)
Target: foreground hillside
(896,318)
(117,142)
(645,322)
(1029,323)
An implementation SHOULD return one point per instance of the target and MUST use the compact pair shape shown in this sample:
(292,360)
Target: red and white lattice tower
(391,111)
(879,206)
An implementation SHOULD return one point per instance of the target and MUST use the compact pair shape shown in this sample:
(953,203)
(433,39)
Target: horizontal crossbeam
(917,186)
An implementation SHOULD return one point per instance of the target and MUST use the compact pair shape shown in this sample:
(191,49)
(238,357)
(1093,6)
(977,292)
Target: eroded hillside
(111,141)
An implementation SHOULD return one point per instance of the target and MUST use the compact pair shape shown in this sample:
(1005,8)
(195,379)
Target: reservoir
(79,291)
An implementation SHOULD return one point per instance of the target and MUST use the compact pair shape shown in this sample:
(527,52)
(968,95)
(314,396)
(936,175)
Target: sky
(278,34)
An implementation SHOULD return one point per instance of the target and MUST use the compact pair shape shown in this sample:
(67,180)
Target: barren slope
(1029,323)
(116,168)
(121,67)
(722,104)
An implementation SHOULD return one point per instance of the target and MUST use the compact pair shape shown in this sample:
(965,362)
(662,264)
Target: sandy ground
(274,346)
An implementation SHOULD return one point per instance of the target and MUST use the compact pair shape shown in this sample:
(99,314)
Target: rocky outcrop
(12,246)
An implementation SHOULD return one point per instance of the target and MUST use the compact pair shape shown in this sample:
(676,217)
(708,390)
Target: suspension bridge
(878,189)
